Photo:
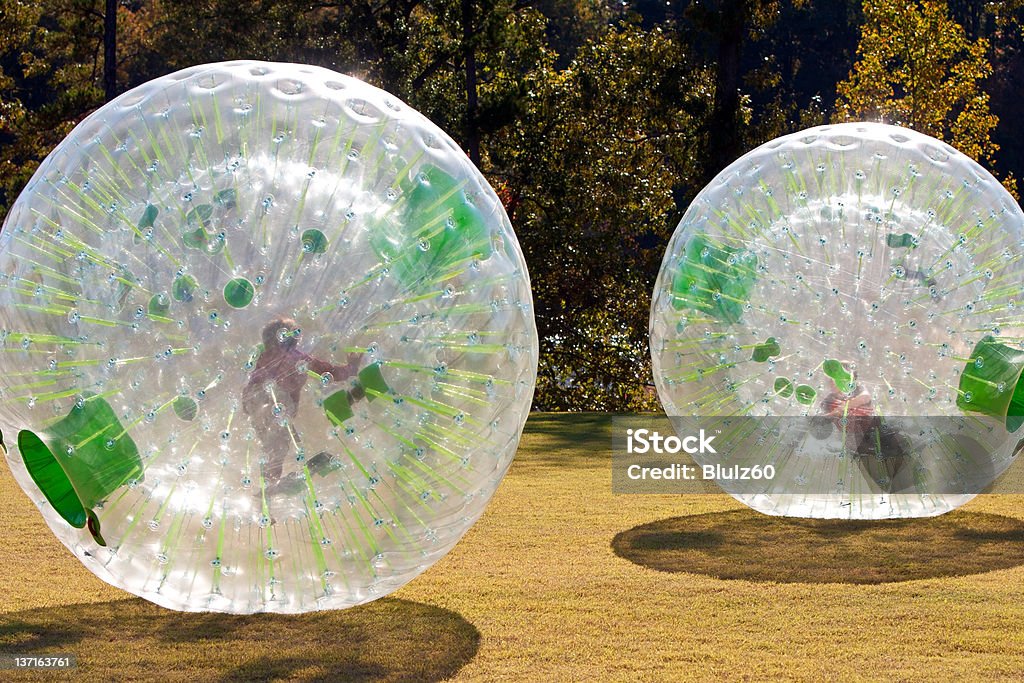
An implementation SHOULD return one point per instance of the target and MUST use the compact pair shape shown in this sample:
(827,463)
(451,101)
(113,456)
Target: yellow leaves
(1010,183)
(917,68)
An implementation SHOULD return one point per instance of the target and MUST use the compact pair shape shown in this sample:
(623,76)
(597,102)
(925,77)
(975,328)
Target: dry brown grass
(536,592)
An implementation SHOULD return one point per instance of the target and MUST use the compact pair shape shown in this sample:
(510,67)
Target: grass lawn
(561,580)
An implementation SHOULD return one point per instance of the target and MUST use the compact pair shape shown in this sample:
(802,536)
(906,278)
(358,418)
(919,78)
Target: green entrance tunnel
(79,461)
(991,383)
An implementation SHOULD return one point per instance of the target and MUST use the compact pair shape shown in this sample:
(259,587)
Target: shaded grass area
(538,579)
(558,440)
(742,544)
(388,640)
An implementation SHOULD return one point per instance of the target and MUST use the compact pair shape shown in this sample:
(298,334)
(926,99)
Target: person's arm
(337,371)
(348,369)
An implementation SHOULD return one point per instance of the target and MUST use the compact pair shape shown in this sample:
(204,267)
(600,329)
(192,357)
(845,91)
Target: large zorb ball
(842,309)
(267,340)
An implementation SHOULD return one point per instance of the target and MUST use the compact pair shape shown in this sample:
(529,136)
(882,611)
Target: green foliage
(798,51)
(509,43)
(18,30)
(55,52)
(198,31)
(589,170)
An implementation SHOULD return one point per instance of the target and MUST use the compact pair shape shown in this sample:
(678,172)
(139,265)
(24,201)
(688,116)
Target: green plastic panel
(714,279)
(436,230)
(371,379)
(338,407)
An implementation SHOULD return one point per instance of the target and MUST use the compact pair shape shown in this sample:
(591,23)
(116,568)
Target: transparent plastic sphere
(268,340)
(842,305)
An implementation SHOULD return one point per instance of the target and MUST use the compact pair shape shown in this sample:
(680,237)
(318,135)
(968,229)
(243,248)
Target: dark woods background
(596,121)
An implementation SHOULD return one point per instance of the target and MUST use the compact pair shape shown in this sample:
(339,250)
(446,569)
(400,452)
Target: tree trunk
(469,60)
(725,143)
(110,50)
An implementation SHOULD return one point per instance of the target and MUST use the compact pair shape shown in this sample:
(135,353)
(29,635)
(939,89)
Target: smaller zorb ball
(267,340)
(841,310)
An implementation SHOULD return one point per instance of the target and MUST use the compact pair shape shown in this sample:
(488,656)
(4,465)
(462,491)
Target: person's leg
(270,410)
(285,446)
(277,444)
(881,455)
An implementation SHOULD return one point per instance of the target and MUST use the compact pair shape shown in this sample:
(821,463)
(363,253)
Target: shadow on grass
(746,545)
(386,640)
(557,439)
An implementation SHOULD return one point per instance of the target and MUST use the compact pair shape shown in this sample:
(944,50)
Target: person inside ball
(271,397)
(879,449)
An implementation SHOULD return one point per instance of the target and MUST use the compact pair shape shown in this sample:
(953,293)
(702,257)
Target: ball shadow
(386,640)
(746,545)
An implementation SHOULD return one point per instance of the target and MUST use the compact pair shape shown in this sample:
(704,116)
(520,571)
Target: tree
(731,35)
(590,170)
(466,63)
(917,68)
(725,142)
(110,49)
(18,31)
(61,59)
